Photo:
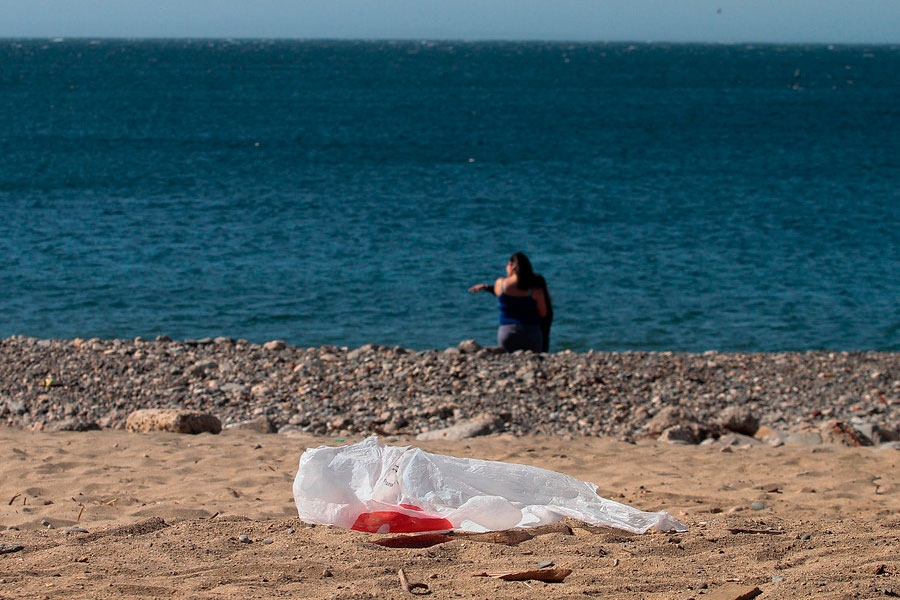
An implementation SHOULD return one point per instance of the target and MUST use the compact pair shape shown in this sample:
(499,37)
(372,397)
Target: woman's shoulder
(511,287)
(499,284)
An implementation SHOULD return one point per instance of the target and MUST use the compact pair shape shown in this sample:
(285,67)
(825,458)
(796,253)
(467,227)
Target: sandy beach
(161,515)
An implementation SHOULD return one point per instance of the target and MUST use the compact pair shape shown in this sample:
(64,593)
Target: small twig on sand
(13,499)
(768,531)
(547,575)
(79,513)
(409,587)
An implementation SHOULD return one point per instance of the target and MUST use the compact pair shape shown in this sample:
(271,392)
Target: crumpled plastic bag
(369,486)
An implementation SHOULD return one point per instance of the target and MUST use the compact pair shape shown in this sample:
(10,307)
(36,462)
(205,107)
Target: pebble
(758,506)
(805,536)
(75,529)
(10,548)
(244,539)
(340,391)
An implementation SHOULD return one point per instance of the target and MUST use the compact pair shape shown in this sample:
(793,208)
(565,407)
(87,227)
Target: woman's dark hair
(527,279)
(525,276)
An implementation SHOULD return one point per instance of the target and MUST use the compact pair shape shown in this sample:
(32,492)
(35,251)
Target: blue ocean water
(676,197)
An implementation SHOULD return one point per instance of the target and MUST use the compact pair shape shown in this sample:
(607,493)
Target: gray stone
(201,367)
(469,347)
(804,438)
(668,416)
(773,438)
(10,548)
(260,390)
(15,407)
(275,345)
(738,419)
(875,432)
(233,388)
(339,422)
(260,424)
(75,529)
(679,434)
(75,424)
(467,429)
(739,440)
(174,420)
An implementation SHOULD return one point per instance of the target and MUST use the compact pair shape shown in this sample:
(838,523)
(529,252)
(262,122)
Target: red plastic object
(388,521)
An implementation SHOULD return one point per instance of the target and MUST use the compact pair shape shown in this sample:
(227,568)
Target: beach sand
(164,515)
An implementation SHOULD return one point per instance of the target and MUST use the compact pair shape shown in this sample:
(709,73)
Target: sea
(676,197)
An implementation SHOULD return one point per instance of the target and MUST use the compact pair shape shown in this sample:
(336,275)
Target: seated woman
(524,306)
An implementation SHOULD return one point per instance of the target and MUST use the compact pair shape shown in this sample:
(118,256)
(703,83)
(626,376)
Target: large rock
(261,424)
(174,420)
(75,424)
(738,419)
(838,432)
(460,431)
(876,432)
(668,416)
(679,434)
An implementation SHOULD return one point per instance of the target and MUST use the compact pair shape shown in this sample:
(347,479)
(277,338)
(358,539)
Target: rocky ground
(80,384)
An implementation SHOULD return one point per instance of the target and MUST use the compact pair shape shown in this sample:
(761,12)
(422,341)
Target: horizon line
(425,40)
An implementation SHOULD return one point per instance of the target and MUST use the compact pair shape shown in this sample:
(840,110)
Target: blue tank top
(518,310)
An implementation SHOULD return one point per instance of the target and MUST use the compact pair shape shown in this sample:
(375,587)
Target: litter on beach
(370,486)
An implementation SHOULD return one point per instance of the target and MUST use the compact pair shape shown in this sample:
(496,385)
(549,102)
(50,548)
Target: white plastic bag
(372,487)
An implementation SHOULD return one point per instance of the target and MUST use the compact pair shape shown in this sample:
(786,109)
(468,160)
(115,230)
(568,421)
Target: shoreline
(78,384)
